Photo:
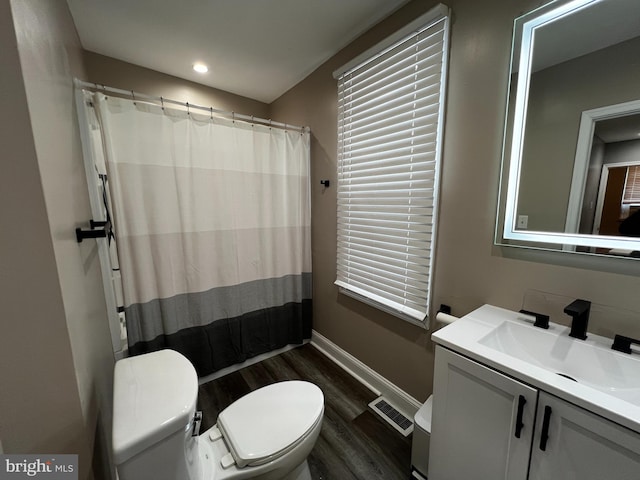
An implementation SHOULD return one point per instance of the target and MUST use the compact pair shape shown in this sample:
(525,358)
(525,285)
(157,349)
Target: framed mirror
(572,136)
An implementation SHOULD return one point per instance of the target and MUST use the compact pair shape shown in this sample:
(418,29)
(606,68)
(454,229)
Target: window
(390,122)
(632,185)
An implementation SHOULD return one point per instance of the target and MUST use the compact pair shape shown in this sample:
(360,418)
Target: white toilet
(266,434)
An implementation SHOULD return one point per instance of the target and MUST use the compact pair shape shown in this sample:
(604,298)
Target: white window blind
(632,185)
(390,115)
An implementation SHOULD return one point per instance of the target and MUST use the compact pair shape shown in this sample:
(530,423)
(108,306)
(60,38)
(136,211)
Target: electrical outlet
(523,221)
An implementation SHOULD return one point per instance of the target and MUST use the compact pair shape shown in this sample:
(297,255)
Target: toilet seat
(267,423)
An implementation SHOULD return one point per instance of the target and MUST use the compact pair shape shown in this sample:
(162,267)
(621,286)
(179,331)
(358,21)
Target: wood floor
(354,442)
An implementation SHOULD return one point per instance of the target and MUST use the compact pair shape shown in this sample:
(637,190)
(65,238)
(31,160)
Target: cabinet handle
(544,434)
(521,403)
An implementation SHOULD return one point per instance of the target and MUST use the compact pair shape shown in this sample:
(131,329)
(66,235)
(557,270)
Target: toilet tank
(154,403)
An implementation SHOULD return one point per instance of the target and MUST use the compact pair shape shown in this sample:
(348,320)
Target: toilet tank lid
(154,395)
(269,420)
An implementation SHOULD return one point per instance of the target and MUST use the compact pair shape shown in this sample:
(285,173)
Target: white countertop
(466,334)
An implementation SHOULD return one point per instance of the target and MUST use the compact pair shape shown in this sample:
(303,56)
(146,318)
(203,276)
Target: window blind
(632,185)
(390,114)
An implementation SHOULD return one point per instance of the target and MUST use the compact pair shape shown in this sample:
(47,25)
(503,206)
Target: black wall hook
(326,183)
(93,233)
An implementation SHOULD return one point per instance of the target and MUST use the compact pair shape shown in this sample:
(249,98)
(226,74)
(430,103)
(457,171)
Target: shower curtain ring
(211,112)
(162,103)
(188,112)
(133,95)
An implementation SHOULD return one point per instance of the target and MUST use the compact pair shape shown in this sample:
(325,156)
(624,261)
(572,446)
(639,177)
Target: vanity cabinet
(480,428)
(581,445)
(487,425)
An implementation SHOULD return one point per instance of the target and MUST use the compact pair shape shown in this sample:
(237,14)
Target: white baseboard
(402,401)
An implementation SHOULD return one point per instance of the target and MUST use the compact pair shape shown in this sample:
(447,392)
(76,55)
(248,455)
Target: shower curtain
(212,222)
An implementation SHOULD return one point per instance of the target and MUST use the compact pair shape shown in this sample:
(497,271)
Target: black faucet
(542,321)
(623,344)
(579,312)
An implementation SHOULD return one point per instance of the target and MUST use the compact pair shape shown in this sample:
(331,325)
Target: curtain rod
(161,101)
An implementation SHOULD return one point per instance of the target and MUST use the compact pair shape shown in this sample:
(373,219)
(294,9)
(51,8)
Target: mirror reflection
(572,142)
(611,201)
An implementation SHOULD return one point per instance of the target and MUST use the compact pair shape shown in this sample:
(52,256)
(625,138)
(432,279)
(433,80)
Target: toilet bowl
(266,435)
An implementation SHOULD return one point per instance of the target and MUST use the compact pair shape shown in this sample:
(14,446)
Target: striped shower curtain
(212,222)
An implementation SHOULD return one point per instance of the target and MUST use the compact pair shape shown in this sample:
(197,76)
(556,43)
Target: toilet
(267,434)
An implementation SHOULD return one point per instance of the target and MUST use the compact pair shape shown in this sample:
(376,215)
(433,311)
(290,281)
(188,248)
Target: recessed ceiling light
(200,67)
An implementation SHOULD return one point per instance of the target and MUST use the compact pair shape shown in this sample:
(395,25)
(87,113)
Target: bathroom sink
(590,362)
(587,373)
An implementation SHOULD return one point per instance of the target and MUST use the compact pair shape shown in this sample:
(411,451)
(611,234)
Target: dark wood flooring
(354,442)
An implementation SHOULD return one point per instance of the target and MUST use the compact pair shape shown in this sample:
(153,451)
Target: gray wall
(470,271)
(594,172)
(622,152)
(57,363)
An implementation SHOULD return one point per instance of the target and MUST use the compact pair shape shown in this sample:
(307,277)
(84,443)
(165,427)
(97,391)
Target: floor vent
(392,416)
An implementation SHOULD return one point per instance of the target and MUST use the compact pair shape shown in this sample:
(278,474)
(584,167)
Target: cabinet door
(482,423)
(572,443)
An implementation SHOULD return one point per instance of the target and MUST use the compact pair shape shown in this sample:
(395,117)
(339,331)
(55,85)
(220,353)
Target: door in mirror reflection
(612,188)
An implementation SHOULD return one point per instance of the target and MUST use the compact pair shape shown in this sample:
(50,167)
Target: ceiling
(585,30)
(254,48)
(619,129)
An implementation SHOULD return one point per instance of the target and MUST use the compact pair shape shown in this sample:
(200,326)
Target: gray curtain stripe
(203,308)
